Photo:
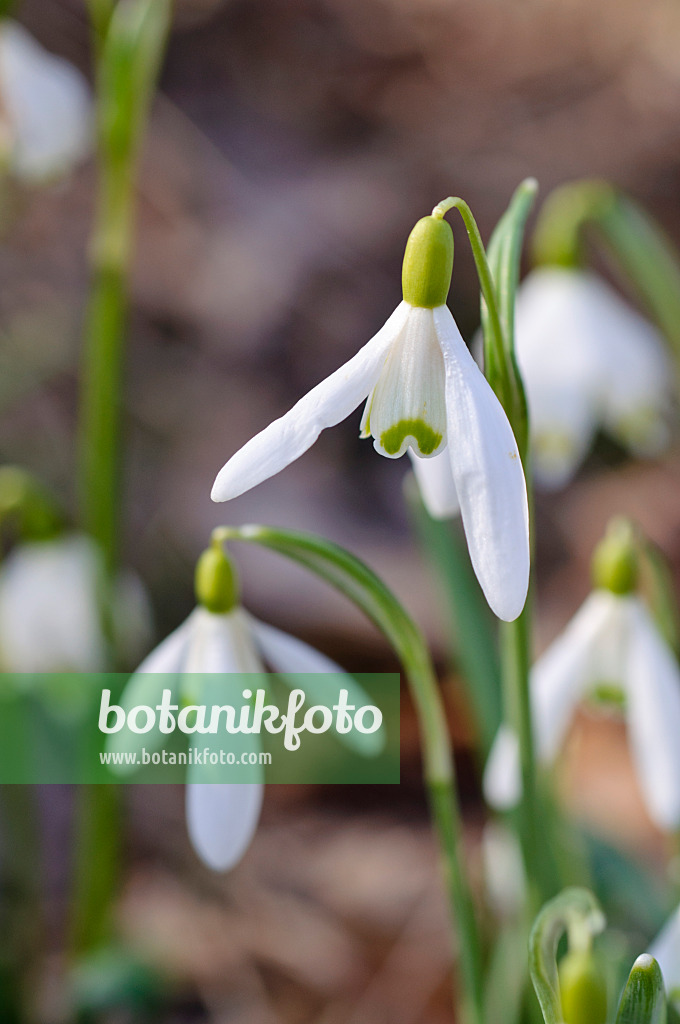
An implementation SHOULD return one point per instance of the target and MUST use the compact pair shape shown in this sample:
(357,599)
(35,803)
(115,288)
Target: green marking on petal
(427,439)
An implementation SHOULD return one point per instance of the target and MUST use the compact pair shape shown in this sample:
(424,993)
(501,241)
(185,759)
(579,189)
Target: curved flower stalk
(50,609)
(220,636)
(424,393)
(612,641)
(45,109)
(588,362)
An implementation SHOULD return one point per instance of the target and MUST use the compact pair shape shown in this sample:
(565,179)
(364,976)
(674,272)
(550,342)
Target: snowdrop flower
(666,951)
(504,875)
(45,108)
(49,609)
(612,641)
(424,394)
(219,636)
(588,361)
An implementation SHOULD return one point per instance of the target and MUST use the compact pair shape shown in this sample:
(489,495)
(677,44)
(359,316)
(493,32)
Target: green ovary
(427,439)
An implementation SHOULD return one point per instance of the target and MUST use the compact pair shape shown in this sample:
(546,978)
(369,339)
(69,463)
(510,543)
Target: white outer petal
(559,679)
(287,654)
(331,401)
(563,673)
(502,781)
(171,653)
(222,819)
(436,485)
(653,689)
(666,951)
(48,608)
(488,475)
(290,656)
(48,104)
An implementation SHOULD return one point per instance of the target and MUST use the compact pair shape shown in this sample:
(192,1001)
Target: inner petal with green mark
(407,407)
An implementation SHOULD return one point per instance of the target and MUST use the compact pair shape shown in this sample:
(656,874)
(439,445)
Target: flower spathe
(45,108)
(612,639)
(424,393)
(588,362)
(222,817)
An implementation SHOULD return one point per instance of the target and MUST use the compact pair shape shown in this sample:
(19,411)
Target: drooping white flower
(612,640)
(588,362)
(666,951)
(424,393)
(50,593)
(222,817)
(45,108)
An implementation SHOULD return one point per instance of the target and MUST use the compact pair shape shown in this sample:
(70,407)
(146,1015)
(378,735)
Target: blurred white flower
(425,394)
(588,361)
(45,108)
(504,873)
(666,951)
(222,817)
(49,609)
(612,641)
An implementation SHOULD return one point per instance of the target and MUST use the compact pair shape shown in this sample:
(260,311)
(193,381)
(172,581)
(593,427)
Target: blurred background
(292,147)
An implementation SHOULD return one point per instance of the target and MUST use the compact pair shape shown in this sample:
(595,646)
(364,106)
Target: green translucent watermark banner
(208,728)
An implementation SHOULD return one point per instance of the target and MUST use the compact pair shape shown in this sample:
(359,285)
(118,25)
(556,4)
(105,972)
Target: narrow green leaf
(472,634)
(505,250)
(644,999)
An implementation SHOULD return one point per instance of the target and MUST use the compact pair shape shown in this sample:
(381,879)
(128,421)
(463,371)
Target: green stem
(494,352)
(129,42)
(352,578)
(22,921)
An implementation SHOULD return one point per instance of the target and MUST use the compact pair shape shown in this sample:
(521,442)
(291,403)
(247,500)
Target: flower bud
(428,263)
(614,564)
(583,989)
(215,582)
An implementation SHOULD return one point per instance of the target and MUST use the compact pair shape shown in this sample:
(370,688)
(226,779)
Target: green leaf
(130,60)
(472,634)
(644,999)
(505,250)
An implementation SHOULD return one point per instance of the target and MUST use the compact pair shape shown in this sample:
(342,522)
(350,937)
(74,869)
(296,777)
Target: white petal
(435,482)
(502,782)
(406,408)
(654,717)
(222,819)
(47,102)
(504,873)
(559,680)
(573,662)
(488,475)
(49,617)
(666,951)
(221,644)
(635,367)
(287,438)
(289,656)
(586,358)
(170,655)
